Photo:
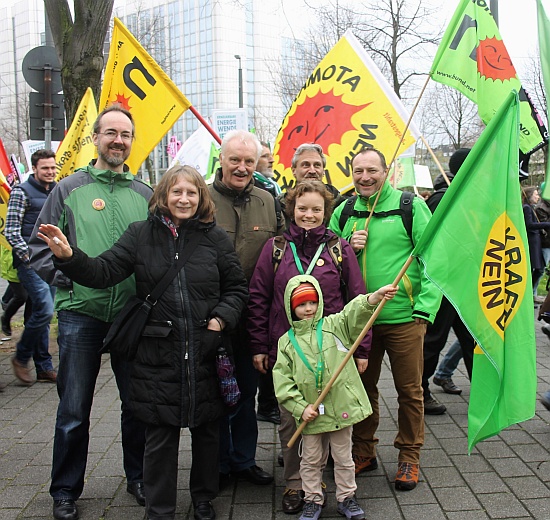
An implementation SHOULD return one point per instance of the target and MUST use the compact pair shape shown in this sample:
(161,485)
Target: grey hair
(308,147)
(244,137)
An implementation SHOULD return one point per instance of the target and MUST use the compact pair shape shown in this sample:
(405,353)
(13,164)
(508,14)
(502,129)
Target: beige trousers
(314,456)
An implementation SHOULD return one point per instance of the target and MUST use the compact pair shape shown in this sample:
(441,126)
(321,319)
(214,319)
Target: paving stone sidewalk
(506,477)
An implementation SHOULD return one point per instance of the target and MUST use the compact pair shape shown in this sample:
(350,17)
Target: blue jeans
(80,338)
(448,364)
(239,430)
(35,339)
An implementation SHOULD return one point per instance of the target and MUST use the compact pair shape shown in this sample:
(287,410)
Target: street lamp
(240,81)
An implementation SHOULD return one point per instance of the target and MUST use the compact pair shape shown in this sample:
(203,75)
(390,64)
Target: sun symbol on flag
(124,102)
(322,119)
(493,60)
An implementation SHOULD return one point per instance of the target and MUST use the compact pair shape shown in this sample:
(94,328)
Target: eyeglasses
(112,135)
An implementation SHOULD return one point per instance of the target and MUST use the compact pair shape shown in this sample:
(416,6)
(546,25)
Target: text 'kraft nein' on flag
(475,250)
(472,58)
(345,105)
(134,80)
(77,148)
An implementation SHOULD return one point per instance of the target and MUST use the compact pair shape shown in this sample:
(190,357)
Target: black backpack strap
(347,212)
(406,207)
(279,246)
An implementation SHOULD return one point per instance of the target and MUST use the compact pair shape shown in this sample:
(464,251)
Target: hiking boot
(350,509)
(49,376)
(407,476)
(293,501)
(545,400)
(433,407)
(5,325)
(22,372)
(364,463)
(448,386)
(311,511)
(546,329)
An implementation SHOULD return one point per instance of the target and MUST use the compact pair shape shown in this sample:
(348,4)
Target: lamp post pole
(240,81)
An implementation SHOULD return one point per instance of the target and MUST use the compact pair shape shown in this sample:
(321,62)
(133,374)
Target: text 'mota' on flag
(544,51)
(77,148)
(134,80)
(345,105)
(475,250)
(472,58)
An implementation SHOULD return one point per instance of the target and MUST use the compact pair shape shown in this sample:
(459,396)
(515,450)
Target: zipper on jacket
(71,293)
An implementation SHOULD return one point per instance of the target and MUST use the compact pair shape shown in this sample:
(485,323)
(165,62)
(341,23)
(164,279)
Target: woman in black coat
(173,380)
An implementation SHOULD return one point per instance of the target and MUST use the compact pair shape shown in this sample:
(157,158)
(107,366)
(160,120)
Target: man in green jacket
(400,328)
(93,207)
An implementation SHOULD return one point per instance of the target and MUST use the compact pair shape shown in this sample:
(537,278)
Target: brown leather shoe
(49,376)
(293,501)
(22,372)
(364,463)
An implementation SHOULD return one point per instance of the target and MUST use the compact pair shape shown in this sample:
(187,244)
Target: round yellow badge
(98,204)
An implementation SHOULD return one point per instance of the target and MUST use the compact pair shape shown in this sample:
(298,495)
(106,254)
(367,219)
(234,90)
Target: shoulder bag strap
(156,293)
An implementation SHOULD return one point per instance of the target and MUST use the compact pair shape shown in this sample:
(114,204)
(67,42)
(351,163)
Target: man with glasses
(93,207)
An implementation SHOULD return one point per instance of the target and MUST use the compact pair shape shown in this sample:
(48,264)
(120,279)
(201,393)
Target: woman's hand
(216,324)
(387,292)
(362,364)
(56,240)
(260,362)
(309,413)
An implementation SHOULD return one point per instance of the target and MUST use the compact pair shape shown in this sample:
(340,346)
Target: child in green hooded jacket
(308,354)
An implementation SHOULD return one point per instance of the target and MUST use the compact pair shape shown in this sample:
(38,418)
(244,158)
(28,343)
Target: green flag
(405,172)
(213,162)
(473,59)
(475,250)
(544,50)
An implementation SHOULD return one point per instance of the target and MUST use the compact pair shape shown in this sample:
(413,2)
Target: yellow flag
(77,148)
(134,80)
(345,105)
(3,213)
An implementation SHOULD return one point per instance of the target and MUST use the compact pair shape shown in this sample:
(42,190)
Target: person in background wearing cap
(447,317)
(308,355)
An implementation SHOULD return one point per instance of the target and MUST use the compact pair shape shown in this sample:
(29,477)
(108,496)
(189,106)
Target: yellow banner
(134,80)
(3,213)
(345,105)
(77,148)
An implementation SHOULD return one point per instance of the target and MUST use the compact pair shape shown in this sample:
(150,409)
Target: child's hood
(295,282)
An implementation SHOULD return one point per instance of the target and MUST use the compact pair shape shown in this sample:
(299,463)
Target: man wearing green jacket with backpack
(396,225)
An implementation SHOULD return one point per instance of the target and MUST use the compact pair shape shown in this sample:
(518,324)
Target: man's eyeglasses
(112,135)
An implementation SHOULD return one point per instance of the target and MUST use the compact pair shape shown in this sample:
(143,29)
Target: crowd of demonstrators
(173,382)
(249,215)
(401,325)
(307,246)
(92,207)
(316,340)
(307,272)
(447,316)
(25,203)
(530,197)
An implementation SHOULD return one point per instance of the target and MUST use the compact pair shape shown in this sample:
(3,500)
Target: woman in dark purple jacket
(307,239)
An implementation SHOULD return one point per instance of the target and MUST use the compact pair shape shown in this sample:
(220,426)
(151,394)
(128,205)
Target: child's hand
(309,413)
(387,292)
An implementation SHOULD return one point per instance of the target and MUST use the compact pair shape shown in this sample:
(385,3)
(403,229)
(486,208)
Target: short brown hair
(309,187)
(159,200)
(376,151)
(115,107)
(41,154)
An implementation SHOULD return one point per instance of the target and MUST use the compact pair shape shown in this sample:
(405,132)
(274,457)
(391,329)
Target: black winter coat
(173,377)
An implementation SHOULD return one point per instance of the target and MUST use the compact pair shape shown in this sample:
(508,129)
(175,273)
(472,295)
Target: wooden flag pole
(447,180)
(350,353)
